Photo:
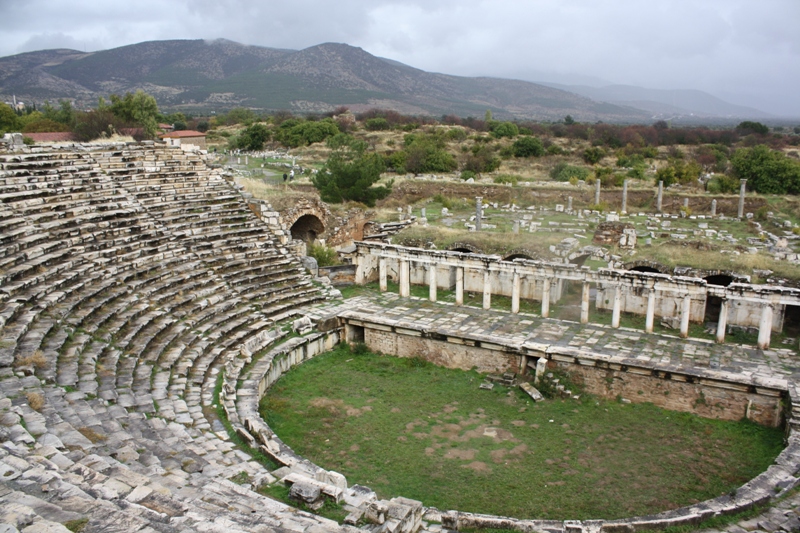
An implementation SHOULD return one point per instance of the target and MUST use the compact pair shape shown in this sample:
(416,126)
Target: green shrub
(324,255)
(377,124)
(624,160)
(722,184)
(506,178)
(444,200)
(359,348)
(482,160)
(564,171)
(650,152)
(528,147)
(593,155)
(504,129)
(467,174)
(457,134)
(678,171)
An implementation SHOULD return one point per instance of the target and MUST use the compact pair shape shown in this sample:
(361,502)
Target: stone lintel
(407,331)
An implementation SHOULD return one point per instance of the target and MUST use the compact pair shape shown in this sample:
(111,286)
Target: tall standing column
(546,298)
(617,309)
(359,262)
(585,303)
(651,311)
(382,274)
(765,327)
(713,208)
(740,212)
(432,282)
(624,197)
(478,212)
(459,285)
(405,281)
(722,323)
(515,287)
(597,192)
(660,197)
(686,309)
(487,289)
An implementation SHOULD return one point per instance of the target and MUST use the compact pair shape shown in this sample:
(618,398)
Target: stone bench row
(142,324)
(133,488)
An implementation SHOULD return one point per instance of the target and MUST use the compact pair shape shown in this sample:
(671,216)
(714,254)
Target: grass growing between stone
(406,427)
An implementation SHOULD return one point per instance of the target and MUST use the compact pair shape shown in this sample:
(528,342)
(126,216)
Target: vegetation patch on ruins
(406,427)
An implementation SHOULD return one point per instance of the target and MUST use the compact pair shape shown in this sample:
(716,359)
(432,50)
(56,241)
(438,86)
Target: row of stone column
(764,330)
(660,197)
(405,287)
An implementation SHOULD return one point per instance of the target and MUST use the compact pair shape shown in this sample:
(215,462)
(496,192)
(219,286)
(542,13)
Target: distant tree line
(134,114)
(720,156)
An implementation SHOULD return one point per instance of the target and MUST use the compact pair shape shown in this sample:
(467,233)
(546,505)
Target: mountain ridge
(664,101)
(205,75)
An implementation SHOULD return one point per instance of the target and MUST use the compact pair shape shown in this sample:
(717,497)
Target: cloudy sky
(745,51)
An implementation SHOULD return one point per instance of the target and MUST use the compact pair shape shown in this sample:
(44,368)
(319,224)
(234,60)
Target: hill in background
(201,76)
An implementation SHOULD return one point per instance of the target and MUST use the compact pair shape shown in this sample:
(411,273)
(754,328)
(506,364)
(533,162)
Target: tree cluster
(350,173)
(767,171)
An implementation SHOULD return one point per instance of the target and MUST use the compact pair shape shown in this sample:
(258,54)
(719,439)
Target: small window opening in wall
(354,333)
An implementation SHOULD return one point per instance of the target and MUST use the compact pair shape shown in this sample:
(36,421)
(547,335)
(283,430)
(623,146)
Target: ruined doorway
(307,228)
(791,321)
(713,307)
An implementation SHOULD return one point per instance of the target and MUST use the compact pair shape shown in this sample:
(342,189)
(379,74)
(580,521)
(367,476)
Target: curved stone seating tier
(128,490)
(133,325)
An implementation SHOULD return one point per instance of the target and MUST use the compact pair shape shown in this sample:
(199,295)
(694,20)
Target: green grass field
(407,428)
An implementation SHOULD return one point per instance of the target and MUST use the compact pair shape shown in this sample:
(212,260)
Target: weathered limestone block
(613,233)
(305,492)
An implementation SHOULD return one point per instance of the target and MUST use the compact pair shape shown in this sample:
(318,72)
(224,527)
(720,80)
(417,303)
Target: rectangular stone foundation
(676,391)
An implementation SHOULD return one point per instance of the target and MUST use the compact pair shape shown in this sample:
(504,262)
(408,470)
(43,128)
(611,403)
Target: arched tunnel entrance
(307,228)
(645,268)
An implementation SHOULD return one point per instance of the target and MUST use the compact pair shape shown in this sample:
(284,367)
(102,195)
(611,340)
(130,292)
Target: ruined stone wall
(339,231)
(709,399)
(441,353)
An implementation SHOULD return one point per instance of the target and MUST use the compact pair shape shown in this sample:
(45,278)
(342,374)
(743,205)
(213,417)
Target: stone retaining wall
(679,392)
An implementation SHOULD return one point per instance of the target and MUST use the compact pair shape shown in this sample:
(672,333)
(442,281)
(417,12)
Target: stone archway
(307,228)
(465,248)
(520,253)
(647,266)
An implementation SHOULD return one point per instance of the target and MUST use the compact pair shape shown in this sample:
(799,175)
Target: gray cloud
(747,51)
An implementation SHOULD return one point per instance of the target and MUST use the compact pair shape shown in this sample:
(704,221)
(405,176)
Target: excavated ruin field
(406,427)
